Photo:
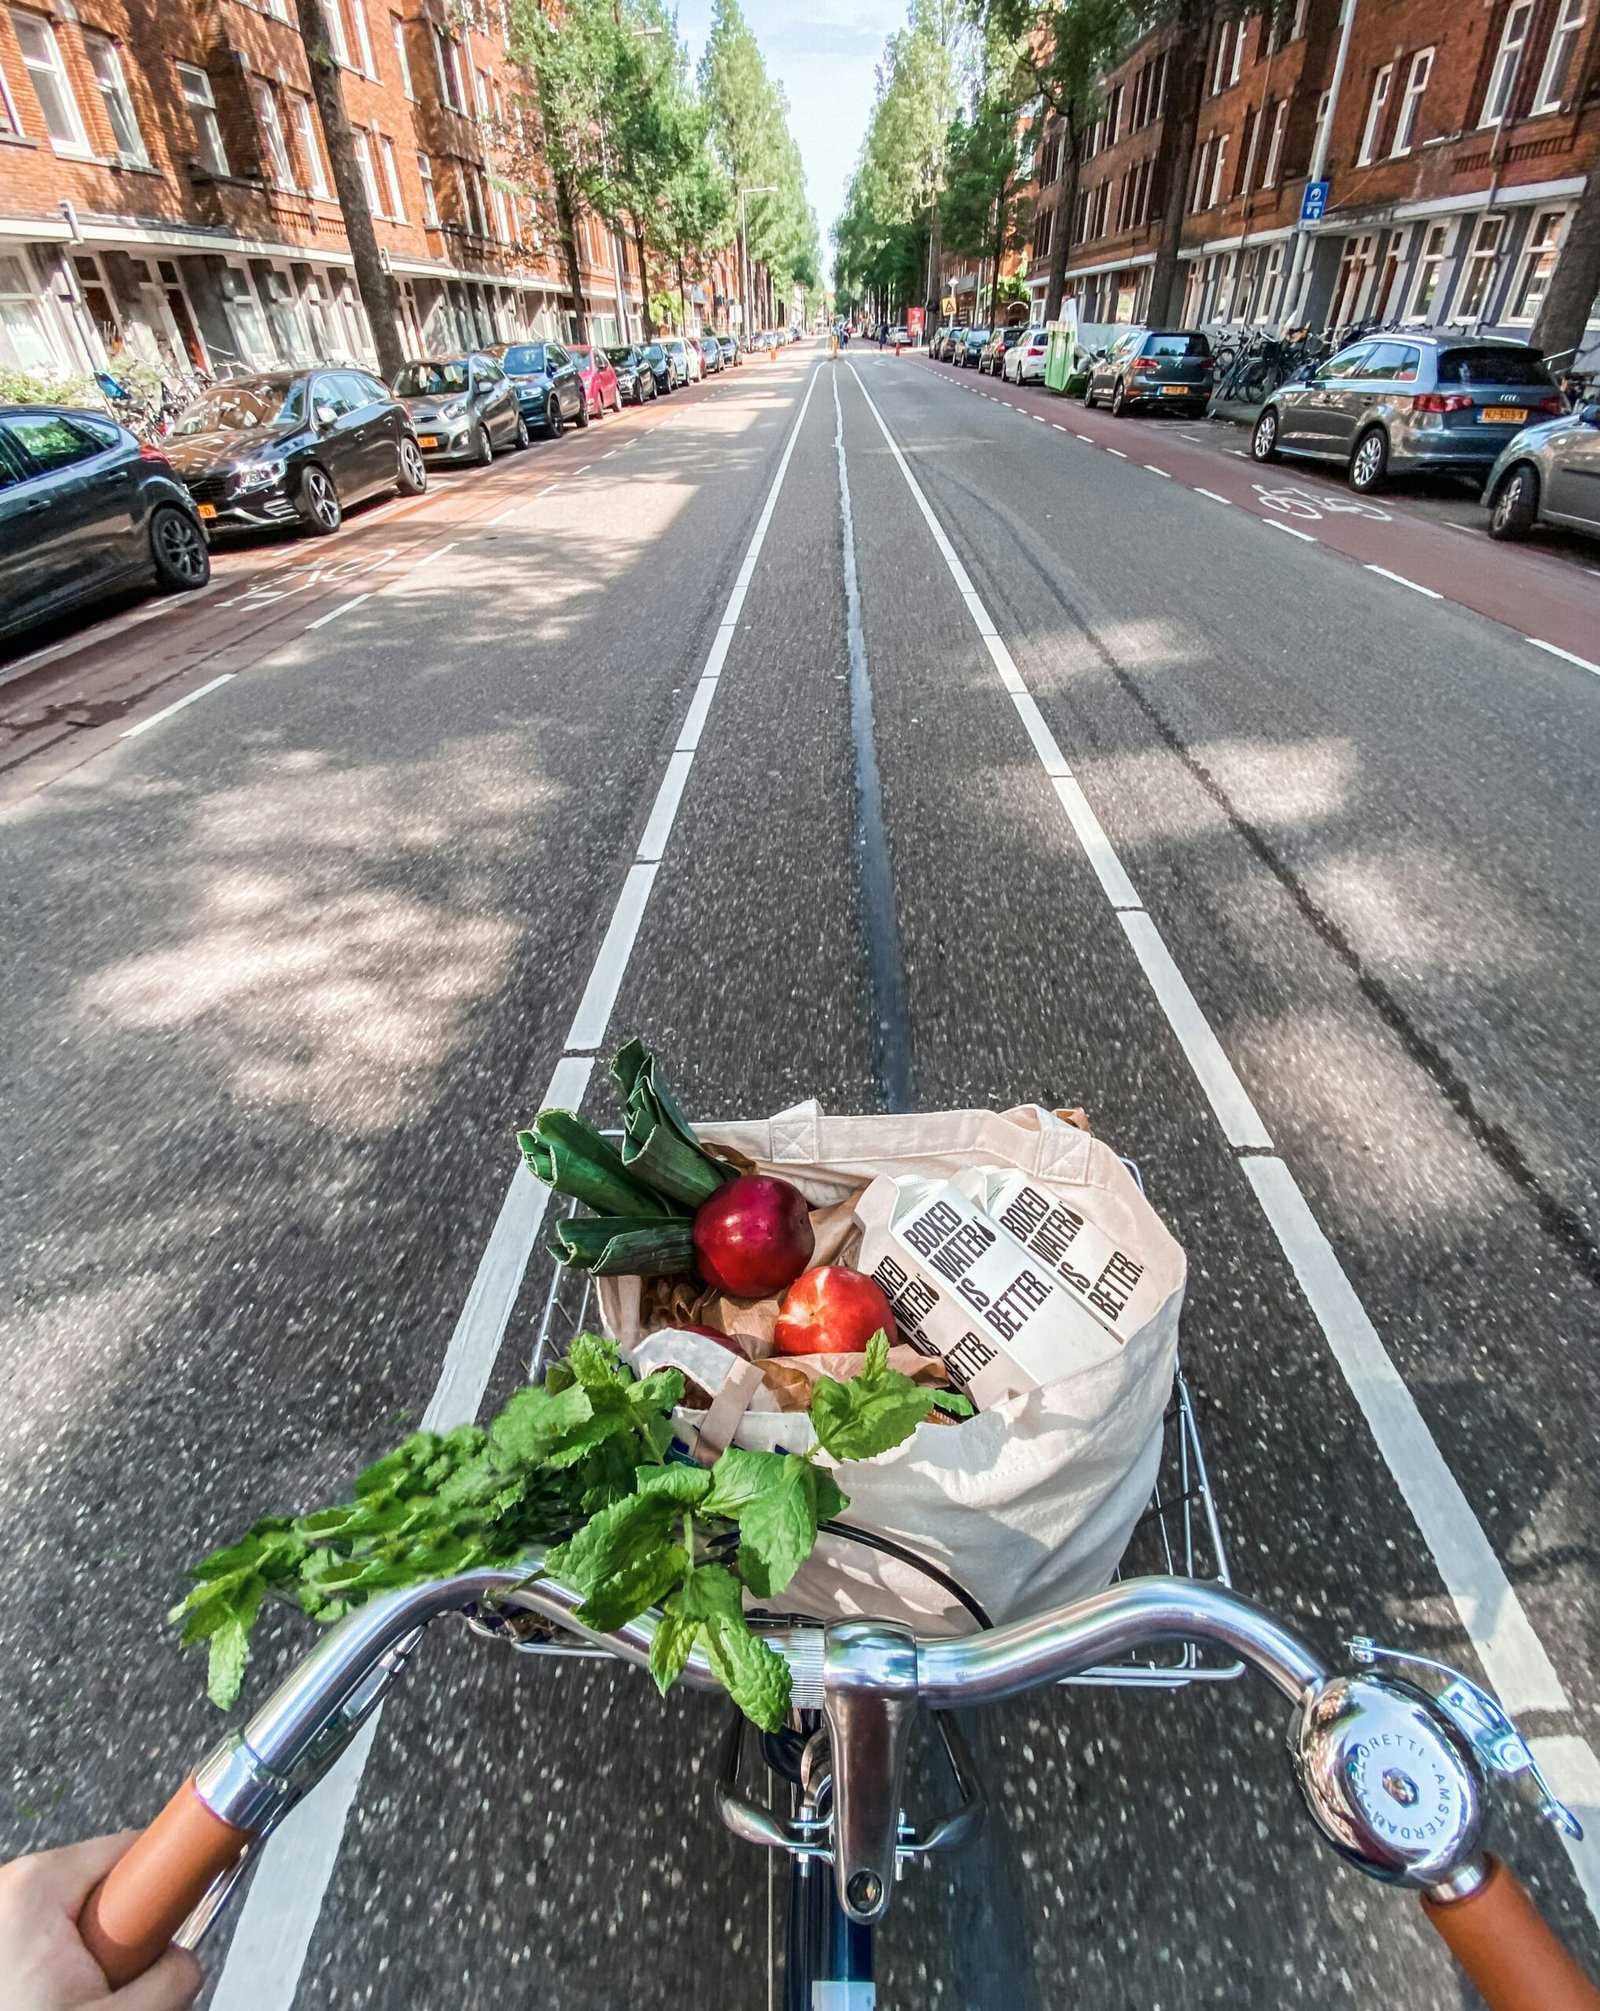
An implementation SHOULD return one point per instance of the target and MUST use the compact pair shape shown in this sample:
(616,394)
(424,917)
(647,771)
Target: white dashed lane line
(1118,452)
(1400,580)
(1214,497)
(177,705)
(333,614)
(1566,655)
(1152,469)
(1289,531)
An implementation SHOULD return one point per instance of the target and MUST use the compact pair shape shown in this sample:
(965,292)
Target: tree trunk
(1061,243)
(999,252)
(1183,121)
(683,300)
(566,215)
(644,281)
(934,304)
(372,280)
(1575,283)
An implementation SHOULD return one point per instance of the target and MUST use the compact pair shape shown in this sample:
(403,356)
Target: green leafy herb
(952,1403)
(872,1412)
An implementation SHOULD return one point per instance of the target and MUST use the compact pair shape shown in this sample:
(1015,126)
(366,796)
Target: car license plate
(1173,390)
(208,509)
(427,440)
(1504,415)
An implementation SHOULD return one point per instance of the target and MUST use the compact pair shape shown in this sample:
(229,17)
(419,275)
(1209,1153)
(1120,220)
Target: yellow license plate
(1504,415)
(427,440)
(208,509)
(1174,390)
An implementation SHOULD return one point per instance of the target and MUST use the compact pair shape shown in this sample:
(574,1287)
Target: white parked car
(1024,360)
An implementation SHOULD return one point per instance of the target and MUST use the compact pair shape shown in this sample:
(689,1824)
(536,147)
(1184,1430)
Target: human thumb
(172,1984)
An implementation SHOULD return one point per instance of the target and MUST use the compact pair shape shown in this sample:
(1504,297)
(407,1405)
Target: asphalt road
(285,969)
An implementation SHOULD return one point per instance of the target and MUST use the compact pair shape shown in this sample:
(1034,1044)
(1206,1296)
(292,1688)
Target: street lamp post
(766,189)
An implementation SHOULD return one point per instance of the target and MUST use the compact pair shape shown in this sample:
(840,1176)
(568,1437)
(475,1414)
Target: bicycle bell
(1387,1779)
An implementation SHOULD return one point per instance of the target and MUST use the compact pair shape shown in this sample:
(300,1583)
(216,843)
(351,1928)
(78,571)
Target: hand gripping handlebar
(1391,1768)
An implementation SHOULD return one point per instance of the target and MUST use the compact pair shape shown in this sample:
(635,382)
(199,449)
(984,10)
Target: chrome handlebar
(1392,1775)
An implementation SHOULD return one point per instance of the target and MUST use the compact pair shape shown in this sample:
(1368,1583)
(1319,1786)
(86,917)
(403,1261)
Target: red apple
(753,1236)
(832,1311)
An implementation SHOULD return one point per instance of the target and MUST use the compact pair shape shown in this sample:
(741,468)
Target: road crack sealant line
(1511,1654)
(280,1913)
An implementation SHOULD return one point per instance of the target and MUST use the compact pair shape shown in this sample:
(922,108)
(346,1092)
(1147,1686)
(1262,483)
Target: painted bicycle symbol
(1311,506)
(301,579)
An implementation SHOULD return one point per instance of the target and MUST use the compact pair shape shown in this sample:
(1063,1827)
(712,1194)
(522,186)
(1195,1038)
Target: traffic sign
(1313,202)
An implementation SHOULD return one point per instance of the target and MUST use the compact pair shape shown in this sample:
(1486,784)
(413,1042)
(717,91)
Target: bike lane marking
(177,705)
(1566,655)
(272,1935)
(1513,1658)
(1400,580)
(1289,530)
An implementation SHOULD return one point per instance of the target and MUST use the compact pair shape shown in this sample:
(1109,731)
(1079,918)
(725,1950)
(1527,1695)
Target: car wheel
(616,398)
(1515,508)
(583,411)
(178,547)
(1264,440)
(483,453)
(522,434)
(1119,400)
(1370,461)
(411,471)
(554,418)
(319,503)
(1088,394)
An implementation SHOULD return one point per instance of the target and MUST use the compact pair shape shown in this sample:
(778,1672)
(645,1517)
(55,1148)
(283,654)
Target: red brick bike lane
(1553,604)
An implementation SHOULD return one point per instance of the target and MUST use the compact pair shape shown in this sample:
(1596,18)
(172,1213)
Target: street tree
(987,207)
(1574,293)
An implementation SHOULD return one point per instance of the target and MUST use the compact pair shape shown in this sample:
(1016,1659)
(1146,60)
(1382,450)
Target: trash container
(1057,356)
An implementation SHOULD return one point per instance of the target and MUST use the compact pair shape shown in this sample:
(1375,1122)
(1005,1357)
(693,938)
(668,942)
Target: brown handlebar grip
(133,1913)
(1510,1951)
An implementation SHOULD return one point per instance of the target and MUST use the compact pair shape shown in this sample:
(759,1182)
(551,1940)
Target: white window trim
(430,194)
(1414,313)
(1280,121)
(78,147)
(1238,53)
(205,103)
(1531,251)
(269,116)
(1377,105)
(94,40)
(358,15)
(397,33)
(338,41)
(1405,125)
(305,128)
(1506,62)
(1569,26)
(391,176)
(1482,256)
(1217,167)
(361,140)
(8,105)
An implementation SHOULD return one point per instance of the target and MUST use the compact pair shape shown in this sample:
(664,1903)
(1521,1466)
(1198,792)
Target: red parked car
(601,391)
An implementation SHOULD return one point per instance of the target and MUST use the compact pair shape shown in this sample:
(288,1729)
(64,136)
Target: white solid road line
(333,614)
(1513,1658)
(177,705)
(1400,580)
(280,1912)
(438,552)
(1214,497)
(1154,470)
(1566,655)
(1288,530)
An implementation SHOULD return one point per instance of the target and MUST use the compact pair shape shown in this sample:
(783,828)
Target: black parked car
(549,388)
(463,407)
(295,446)
(730,351)
(660,366)
(85,509)
(635,378)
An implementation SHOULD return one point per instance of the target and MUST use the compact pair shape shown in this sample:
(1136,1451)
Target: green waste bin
(1058,356)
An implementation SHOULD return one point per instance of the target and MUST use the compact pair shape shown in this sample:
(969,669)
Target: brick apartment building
(164,190)
(1457,143)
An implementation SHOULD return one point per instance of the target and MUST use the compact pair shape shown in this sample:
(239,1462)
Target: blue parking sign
(1313,202)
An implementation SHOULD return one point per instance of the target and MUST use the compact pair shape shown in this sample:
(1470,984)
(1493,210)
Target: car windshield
(1177,345)
(246,408)
(654,351)
(620,355)
(525,360)
(432,380)
(1491,366)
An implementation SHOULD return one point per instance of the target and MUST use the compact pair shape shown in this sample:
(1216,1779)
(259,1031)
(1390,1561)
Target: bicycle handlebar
(869,1678)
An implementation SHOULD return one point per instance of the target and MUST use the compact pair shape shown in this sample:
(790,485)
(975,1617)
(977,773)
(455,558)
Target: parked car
(684,358)
(729,348)
(548,386)
(1168,367)
(992,356)
(598,378)
(635,379)
(1396,404)
(968,347)
(900,336)
(1548,474)
(1024,360)
(660,364)
(462,407)
(710,354)
(286,446)
(86,510)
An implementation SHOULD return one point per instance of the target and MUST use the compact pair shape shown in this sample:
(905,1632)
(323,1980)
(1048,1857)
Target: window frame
(368,65)
(1534,253)
(207,135)
(1418,309)
(1551,73)
(1280,125)
(1507,64)
(1405,125)
(397,33)
(98,44)
(1377,105)
(55,67)
(275,138)
(361,144)
(430,192)
(303,117)
(390,162)
(1218,165)
(1481,257)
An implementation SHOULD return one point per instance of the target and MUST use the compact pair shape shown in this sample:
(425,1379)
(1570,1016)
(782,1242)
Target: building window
(41,57)
(275,147)
(430,200)
(1430,267)
(105,59)
(391,176)
(1386,299)
(1355,264)
(1405,129)
(451,82)
(1202,173)
(1113,116)
(1478,277)
(1217,165)
(1538,263)
(1298,26)
(1375,105)
(358,15)
(305,132)
(397,28)
(1042,231)
(369,181)
(480,92)
(24,343)
(196,88)
(1238,52)
(338,40)
(1280,118)
(1497,99)
(1558,60)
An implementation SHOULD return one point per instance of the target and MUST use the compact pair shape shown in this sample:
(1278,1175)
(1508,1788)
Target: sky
(825,54)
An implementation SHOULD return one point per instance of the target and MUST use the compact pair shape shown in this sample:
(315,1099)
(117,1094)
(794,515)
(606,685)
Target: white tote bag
(1031,1503)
